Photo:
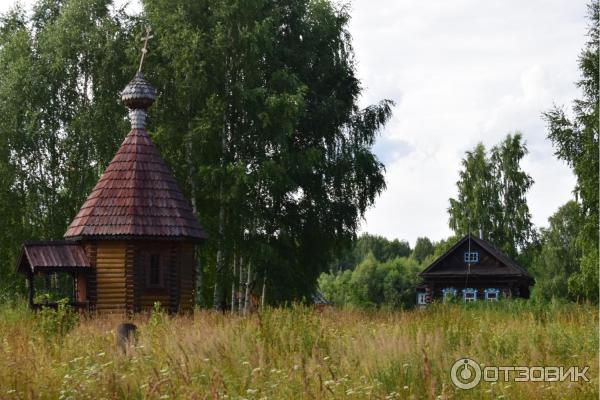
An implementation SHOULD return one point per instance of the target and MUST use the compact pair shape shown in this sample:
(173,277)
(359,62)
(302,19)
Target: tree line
(492,188)
(257,117)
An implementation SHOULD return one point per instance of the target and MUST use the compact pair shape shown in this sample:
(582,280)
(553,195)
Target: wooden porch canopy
(48,257)
(52,256)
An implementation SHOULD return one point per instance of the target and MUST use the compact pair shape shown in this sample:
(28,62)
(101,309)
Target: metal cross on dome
(145,48)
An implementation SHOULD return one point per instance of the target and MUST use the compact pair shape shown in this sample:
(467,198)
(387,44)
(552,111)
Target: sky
(461,72)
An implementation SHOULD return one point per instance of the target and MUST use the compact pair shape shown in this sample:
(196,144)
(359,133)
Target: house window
(448,294)
(154,271)
(469,295)
(471,257)
(421,298)
(492,294)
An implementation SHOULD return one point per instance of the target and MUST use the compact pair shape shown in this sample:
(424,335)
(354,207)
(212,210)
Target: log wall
(111,281)
(187,277)
(118,281)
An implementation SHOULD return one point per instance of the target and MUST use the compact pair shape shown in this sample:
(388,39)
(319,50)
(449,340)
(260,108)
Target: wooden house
(132,242)
(472,270)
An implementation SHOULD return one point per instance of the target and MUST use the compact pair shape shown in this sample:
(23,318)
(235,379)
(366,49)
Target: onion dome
(139,93)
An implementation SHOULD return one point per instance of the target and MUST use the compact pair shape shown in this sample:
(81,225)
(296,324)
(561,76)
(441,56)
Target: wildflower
(251,391)
(245,363)
(257,369)
(405,387)
(326,358)
(101,354)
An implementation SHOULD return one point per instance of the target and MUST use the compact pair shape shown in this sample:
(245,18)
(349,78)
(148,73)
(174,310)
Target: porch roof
(52,256)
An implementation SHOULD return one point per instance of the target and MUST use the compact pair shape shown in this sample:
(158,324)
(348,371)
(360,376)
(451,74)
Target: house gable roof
(444,265)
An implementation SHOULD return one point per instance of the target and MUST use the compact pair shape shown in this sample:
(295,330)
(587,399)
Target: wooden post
(46,282)
(30,293)
(74,293)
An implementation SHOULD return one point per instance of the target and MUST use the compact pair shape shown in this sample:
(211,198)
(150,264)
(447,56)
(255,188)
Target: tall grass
(297,353)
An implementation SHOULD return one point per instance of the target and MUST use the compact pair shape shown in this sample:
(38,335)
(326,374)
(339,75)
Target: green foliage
(281,168)
(56,322)
(380,247)
(257,117)
(373,283)
(423,248)
(62,69)
(559,255)
(158,316)
(492,196)
(576,142)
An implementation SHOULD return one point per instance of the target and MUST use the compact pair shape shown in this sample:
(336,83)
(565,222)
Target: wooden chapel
(132,242)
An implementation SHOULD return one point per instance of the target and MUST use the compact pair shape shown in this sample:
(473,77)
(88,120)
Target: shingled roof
(54,255)
(136,196)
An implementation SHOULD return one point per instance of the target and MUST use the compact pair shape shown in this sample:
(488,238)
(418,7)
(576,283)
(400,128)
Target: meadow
(296,353)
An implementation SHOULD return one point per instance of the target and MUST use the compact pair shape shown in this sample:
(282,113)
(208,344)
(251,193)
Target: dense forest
(258,118)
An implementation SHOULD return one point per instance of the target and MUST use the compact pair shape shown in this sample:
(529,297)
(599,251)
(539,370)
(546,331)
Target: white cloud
(463,72)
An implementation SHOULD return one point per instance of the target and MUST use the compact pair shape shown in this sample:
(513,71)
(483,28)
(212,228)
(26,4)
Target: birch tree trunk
(240,287)
(191,171)
(233,282)
(247,294)
(218,295)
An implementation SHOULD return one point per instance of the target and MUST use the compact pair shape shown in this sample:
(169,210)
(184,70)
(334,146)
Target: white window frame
(448,293)
(469,291)
(471,257)
(493,291)
(421,298)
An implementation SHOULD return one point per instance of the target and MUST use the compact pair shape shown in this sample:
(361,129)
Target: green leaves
(265,95)
(492,196)
(576,142)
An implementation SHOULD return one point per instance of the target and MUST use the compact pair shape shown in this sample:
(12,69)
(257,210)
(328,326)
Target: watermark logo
(467,373)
